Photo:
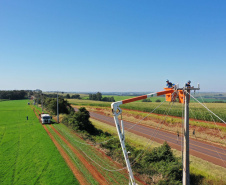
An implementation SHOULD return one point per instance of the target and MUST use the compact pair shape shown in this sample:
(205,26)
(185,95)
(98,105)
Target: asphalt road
(207,151)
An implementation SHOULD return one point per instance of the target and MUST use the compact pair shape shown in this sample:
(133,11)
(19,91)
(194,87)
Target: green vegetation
(79,121)
(13,95)
(27,154)
(75,96)
(98,97)
(202,172)
(147,100)
(120,98)
(198,111)
(115,177)
(74,158)
(163,164)
(51,105)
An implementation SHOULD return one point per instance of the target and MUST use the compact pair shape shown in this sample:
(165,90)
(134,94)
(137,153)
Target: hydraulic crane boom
(117,111)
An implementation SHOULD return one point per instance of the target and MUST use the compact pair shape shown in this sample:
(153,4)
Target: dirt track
(96,173)
(68,160)
(98,176)
(79,176)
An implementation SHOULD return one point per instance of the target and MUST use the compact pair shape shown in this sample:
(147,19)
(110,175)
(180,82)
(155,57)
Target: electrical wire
(207,108)
(105,141)
(209,139)
(213,145)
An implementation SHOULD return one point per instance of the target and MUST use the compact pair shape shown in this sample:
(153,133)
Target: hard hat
(167,80)
(189,81)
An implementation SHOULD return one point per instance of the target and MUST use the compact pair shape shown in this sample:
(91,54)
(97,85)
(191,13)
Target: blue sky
(106,45)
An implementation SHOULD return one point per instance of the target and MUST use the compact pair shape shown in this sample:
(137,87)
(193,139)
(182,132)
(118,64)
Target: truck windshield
(46,117)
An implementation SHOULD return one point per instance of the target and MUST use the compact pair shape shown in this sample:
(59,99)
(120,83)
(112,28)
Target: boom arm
(115,105)
(116,112)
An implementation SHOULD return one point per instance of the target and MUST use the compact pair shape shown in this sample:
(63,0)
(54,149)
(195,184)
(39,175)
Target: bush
(79,121)
(158,100)
(162,161)
(146,100)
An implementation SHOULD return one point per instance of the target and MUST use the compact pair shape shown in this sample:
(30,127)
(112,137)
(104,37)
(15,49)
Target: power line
(207,109)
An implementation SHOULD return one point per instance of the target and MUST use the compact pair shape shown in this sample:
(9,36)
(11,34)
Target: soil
(79,176)
(98,176)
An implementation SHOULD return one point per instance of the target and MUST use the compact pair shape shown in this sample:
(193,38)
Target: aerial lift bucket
(171,97)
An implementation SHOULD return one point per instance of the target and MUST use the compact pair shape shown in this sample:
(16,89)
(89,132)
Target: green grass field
(92,153)
(27,154)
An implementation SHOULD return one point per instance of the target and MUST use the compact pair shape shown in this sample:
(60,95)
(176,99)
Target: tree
(13,95)
(80,121)
(68,96)
(146,100)
(75,96)
(98,96)
(51,105)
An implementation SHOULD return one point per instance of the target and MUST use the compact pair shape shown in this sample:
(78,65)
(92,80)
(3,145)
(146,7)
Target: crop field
(174,109)
(27,154)
(203,97)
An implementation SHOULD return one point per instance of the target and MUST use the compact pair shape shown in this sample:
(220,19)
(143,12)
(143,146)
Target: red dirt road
(68,160)
(92,169)
(78,175)
(98,176)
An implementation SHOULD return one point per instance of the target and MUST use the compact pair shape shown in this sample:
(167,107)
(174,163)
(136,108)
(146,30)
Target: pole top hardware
(179,93)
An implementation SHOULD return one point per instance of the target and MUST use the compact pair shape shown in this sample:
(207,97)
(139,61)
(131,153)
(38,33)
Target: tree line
(98,97)
(74,96)
(13,95)
(50,105)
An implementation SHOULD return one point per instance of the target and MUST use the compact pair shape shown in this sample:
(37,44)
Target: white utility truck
(46,118)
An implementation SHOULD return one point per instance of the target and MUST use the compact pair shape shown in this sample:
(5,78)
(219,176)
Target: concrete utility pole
(42,102)
(186,167)
(186,173)
(58,107)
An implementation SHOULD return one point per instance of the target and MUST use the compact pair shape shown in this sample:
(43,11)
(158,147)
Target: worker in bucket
(188,84)
(169,84)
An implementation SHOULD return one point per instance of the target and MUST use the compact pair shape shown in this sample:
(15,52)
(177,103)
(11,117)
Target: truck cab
(46,118)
